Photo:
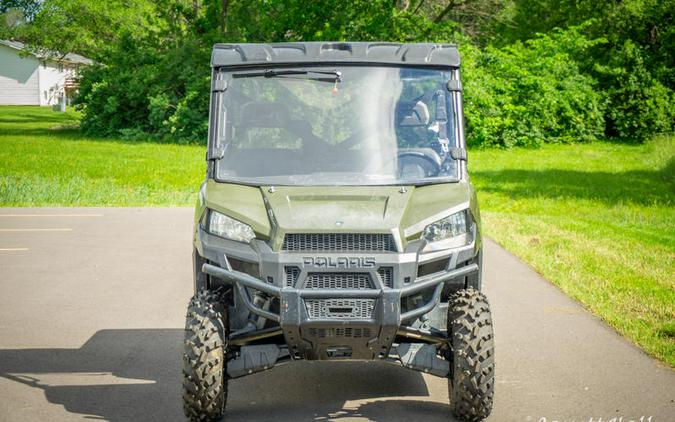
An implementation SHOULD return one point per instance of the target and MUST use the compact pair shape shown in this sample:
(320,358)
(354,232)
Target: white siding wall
(52,78)
(18,78)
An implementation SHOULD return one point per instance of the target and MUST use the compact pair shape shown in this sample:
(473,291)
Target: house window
(60,67)
(44,64)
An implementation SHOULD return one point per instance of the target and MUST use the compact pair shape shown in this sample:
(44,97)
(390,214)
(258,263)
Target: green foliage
(530,93)
(634,67)
(300,20)
(610,69)
(156,83)
(148,90)
(84,26)
(638,104)
(15,13)
(27,7)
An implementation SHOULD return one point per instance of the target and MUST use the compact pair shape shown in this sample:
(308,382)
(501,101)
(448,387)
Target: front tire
(204,358)
(471,379)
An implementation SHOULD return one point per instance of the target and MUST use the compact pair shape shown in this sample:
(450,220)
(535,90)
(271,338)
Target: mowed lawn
(598,220)
(44,160)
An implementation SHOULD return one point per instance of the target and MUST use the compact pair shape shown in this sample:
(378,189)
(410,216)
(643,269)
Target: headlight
(451,231)
(229,228)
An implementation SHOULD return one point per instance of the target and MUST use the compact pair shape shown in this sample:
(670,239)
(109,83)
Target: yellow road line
(51,215)
(35,230)
(12,249)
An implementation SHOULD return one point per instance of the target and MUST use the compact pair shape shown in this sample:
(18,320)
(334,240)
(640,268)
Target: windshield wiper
(271,73)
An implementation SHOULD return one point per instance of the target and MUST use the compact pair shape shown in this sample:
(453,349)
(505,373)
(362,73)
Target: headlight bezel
(226,227)
(456,231)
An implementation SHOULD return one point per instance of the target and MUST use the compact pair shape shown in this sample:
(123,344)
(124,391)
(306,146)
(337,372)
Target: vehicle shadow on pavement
(117,375)
(330,391)
(134,375)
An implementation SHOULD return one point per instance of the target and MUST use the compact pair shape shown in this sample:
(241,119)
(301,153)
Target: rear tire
(204,358)
(471,378)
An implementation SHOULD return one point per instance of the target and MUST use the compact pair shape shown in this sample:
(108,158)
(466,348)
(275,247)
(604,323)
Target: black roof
(418,54)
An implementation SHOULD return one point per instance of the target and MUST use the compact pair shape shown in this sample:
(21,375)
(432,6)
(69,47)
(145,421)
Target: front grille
(291,276)
(387,276)
(338,242)
(340,332)
(339,281)
(340,308)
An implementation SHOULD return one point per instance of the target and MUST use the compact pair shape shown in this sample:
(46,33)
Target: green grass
(595,219)
(45,160)
(598,221)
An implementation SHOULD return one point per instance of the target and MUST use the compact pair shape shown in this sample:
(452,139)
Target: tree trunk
(417,8)
(445,11)
(224,4)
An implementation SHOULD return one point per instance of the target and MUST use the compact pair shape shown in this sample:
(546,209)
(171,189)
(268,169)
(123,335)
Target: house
(27,78)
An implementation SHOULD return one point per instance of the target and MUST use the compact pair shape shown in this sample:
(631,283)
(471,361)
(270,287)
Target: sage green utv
(337,220)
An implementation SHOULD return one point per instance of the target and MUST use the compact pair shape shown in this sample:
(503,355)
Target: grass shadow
(62,133)
(66,133)
(38,119)
(41,122)
(644,187)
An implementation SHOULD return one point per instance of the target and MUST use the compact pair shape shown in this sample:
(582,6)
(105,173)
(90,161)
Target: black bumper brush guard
(328,335)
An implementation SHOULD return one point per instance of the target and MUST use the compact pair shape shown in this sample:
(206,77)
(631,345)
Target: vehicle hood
(272,212)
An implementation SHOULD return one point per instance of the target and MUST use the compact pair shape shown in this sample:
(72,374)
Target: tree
(86,27)
(151,76)
(28,8)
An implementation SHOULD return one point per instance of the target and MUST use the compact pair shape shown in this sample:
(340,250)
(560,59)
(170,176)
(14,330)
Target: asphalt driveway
(92,302)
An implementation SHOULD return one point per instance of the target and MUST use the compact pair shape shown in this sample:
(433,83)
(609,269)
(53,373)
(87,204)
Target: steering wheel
(415,165)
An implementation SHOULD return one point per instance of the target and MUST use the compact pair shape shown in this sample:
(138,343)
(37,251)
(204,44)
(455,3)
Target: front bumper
(311,317)
(367,337)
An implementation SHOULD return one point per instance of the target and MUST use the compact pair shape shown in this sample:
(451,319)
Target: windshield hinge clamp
(458,154)
(454,85)
(219,85)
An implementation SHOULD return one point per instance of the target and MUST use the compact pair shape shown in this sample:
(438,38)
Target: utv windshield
(343,125)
